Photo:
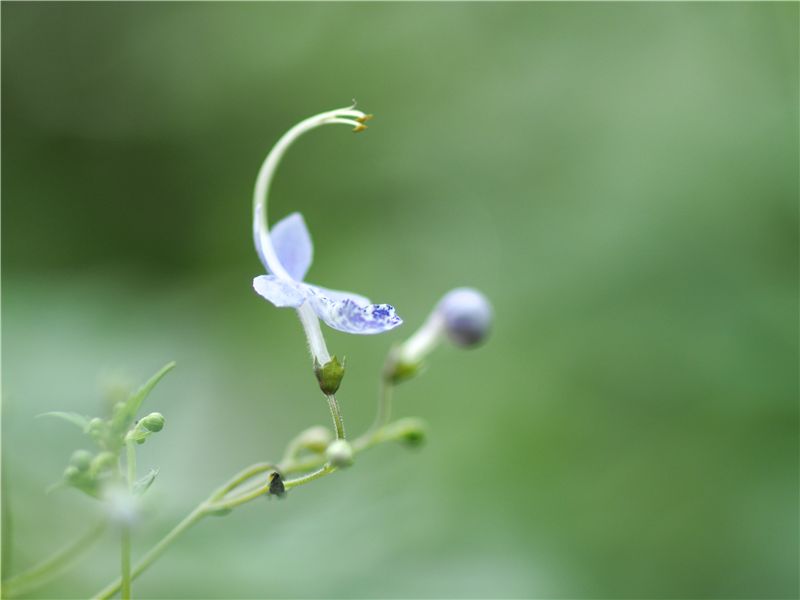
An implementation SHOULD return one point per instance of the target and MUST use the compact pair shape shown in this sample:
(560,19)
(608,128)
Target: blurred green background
(620,179)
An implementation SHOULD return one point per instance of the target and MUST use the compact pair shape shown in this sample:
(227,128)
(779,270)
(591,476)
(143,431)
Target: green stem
(155,551)
(130,463)
(218,501)
(336,413)
(5,526)
(125,534)
(46,570)
(297,482)
(384,412)
(243,476)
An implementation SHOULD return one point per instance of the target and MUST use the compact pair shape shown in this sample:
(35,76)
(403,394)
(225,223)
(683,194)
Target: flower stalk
(240,489)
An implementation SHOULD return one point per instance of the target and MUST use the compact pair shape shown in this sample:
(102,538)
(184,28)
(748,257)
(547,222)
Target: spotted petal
(292,244)
(341,295)
(349,317)
(280,292)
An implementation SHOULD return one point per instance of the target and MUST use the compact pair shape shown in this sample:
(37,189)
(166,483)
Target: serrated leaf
(124,418)
(70,417)
(141,486)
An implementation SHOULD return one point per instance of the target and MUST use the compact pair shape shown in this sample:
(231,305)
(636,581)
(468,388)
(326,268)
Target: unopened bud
(153,422)
(463,315)
(339,453)
(105,461)
(329,375)
(409,431)
(81,479)
(467,316)
(81,459)
(314,439)
(72,474)
(97,429)
(398,368)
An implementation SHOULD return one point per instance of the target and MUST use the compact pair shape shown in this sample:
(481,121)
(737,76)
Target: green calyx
(397,371)
(329,375)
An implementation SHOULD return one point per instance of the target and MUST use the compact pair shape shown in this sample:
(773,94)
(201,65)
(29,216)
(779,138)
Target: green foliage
(90,472)
(69,417)
(621,180)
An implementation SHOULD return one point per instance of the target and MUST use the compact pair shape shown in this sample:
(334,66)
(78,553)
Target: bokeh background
(620,179)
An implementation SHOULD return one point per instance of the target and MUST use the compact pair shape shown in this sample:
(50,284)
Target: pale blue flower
(286,252)
(343,311)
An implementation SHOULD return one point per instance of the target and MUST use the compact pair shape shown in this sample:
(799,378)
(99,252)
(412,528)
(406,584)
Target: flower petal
(292,244)
(280,292)
(341,295)
(345,315)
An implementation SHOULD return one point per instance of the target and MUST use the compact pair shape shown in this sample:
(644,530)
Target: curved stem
(125,533)
(125,536)
(321,472)
(242,477)
(217,502)
(49,568)
(384,412)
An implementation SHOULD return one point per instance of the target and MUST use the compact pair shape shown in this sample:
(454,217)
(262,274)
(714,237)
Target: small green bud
(144,427)
(314,439)
(409,431)
(397,370)
(339,453)
(329,375)
(72,474)
(153,422)
(414,437)
(97,429)
(81,460)
(82,480)
(105,461)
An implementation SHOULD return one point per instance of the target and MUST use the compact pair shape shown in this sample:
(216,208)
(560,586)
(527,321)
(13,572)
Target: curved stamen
(264,247)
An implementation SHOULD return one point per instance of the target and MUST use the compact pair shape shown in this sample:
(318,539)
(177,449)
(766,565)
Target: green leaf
(141,486)
(70,417)
(124,417)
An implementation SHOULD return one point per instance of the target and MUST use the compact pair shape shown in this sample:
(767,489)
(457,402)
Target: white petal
(292,244)
(278,291)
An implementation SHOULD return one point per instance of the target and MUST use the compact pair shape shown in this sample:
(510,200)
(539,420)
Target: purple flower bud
(467,316)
